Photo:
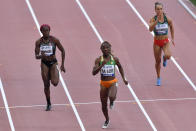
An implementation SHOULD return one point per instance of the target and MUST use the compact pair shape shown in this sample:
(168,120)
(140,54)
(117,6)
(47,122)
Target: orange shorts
(108,84)
(161,43)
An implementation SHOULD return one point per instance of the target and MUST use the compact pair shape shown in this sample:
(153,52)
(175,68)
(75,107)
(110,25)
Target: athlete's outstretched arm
(60,47)
(121,70)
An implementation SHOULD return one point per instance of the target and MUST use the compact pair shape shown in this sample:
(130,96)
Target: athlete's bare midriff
(161,37)
(49,58)
(107,78)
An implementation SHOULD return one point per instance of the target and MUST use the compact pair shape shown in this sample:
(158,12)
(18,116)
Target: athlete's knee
(55,83)
(112,98)
(55,80)
(158,61)
(104,101)
(46,89)
(168,56)
(46,84)
(104,107)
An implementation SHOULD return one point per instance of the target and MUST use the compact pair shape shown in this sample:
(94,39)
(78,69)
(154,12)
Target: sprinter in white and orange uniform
(160,24)
(106,66)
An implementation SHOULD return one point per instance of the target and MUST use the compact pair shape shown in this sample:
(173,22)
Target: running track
(170,107)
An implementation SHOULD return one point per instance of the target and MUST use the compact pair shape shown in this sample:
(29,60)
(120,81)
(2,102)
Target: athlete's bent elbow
(94,73)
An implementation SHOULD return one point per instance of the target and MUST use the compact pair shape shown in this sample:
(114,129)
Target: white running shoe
(105,125)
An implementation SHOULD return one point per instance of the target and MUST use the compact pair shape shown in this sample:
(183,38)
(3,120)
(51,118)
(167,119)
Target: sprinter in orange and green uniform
(106,66)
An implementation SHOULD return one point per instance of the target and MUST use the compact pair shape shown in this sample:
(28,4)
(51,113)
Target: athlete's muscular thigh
(157,53)
(113,91)
(54,75)
(45,72)
(103,92)
(166,50)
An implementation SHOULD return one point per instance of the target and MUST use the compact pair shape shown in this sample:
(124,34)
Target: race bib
(46,49)
(107,70)
(161,28)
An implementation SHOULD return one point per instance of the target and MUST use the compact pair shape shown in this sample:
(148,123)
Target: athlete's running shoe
(48,107)
(112,105)
(158,81)
(164,62)
(105,125)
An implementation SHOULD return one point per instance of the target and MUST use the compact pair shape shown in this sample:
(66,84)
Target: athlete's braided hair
(44,25)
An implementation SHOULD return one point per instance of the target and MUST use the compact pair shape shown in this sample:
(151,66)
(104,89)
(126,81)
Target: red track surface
(132,43)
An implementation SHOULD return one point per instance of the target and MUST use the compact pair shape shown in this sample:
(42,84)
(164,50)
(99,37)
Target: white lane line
(172,58)
(33,15)
(6,106)
(92,103)
(129,86)
(61,78)
(89,20)
(187,9)
(72,103)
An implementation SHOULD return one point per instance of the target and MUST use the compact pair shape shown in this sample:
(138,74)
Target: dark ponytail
(157,3)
